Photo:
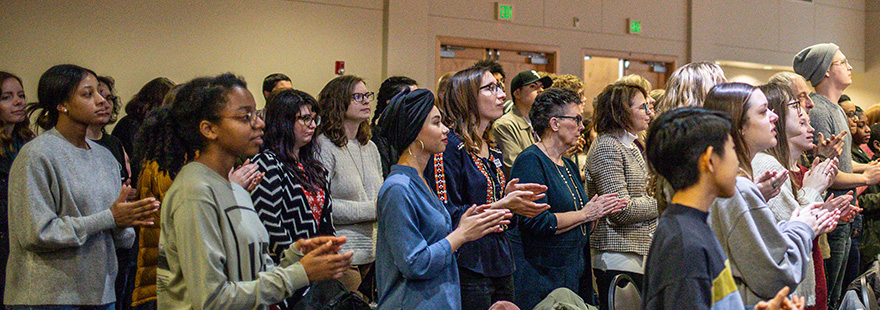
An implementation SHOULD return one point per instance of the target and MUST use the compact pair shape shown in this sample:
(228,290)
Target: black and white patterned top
(283,207)
(616,168)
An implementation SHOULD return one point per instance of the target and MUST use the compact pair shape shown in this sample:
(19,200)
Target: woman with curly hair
(15,133)
(355,170)
(67,207)
(148,98)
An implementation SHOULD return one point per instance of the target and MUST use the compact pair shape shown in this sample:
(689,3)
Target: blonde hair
(688,85)
(635,79)
(873,114)
(567,81)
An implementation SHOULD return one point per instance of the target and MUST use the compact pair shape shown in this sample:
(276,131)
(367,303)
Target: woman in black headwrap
(415,265)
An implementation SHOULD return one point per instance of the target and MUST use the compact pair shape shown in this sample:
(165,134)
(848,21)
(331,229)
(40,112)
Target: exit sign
(634,27)
(503,11)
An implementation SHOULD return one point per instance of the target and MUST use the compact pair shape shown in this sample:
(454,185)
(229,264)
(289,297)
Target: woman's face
(359,110)
(758,130)
(569,128)
(86,105)
(304,125)
(104,90)
(433,134)
(239,131)
(490,104)
(800,134)
(640,113)
(12,102)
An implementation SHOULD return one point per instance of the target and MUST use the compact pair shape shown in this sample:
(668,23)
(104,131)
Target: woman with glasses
(354,171)
(548,248)
(469,173)
(292,198)
(795,136)
(621,240)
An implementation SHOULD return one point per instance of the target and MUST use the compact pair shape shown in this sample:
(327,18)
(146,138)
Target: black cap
(529,77)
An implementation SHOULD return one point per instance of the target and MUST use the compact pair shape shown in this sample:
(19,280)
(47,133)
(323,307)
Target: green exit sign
(635,27)
(503,11)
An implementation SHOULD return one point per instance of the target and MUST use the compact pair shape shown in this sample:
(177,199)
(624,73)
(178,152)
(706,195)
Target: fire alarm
(340,67)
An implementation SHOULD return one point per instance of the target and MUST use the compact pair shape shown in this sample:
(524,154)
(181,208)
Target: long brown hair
(733,98)
(460,108)
(613,107)
(333,101)
(778,98)
(20,130)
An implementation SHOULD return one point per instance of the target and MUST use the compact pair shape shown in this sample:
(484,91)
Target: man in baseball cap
(513,131)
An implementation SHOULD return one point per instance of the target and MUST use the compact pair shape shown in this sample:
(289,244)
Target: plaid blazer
(615,168)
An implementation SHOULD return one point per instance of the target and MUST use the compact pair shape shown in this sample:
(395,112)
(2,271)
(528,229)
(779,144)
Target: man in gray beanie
(827,69)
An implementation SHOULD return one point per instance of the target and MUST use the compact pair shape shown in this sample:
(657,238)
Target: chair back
(623,294)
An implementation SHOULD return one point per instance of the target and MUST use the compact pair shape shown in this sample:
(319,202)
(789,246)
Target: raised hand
(247,175)
(324,263)
(821,175)
(600,206)
(770,183)
(136,213)
(832,147)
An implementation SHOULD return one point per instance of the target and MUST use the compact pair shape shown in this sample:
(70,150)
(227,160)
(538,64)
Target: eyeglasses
(853,115)
(797,105)
(250,118)
(647,106)
(493,87)
(308,119)
(360,97)
(578,118)
(840,62)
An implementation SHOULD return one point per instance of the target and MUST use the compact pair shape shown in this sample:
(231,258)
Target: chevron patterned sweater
(284,208)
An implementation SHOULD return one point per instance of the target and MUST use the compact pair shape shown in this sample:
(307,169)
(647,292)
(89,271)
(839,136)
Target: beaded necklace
(578,200)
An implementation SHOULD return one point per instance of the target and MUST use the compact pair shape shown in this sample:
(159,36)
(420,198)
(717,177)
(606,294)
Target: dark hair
(551,103)
(459,107)
(280,137)
(859,111)
(390,87)
(677,139)
(874,137)
(272,79)
(170,135)
(21,129)
(733,99)
(843,97)
(56,86)
(613,107)
(333,101)
(113,99)
(491,65)
(149,97)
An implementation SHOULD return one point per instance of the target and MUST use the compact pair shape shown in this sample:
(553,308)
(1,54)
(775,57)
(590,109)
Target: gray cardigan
(765,255)
(63,237)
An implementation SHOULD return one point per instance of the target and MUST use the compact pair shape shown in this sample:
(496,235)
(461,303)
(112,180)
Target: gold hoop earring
(409,149)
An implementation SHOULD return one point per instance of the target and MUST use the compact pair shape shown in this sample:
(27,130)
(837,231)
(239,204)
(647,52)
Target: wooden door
(514,57)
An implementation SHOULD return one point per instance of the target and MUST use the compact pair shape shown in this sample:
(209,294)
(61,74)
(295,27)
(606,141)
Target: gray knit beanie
(812,62)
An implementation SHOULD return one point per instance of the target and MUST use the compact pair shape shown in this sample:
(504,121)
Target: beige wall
(135,41)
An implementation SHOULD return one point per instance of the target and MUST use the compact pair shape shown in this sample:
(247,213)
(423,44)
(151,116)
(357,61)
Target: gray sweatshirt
(63,237)
(764,255)
(213,248)
(355,178)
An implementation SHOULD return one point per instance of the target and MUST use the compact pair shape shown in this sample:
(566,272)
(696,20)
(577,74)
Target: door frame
(495,44)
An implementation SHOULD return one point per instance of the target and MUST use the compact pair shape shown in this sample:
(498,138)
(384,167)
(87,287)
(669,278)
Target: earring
(63,110)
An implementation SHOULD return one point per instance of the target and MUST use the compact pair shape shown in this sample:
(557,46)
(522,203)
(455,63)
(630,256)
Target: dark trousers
(603,281)
(839,241)
(479,292)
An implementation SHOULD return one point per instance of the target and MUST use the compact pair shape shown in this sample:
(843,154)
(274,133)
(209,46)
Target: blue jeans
(110,306)
(480,292)
(839,241)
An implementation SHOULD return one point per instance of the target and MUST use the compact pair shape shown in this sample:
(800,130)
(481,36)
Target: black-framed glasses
(250,118)
(579,119)
(360,97)
(797,106)
(647,107)
(309,118)
(493,87)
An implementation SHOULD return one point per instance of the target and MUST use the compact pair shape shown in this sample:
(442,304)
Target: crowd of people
(726,195)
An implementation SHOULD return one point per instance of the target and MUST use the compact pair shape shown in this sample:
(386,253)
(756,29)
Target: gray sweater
(63,237)
(355,174)
(214,250)
(765,255)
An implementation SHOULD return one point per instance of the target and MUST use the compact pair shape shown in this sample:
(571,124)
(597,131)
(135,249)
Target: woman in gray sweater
(67,206)
(764,255)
